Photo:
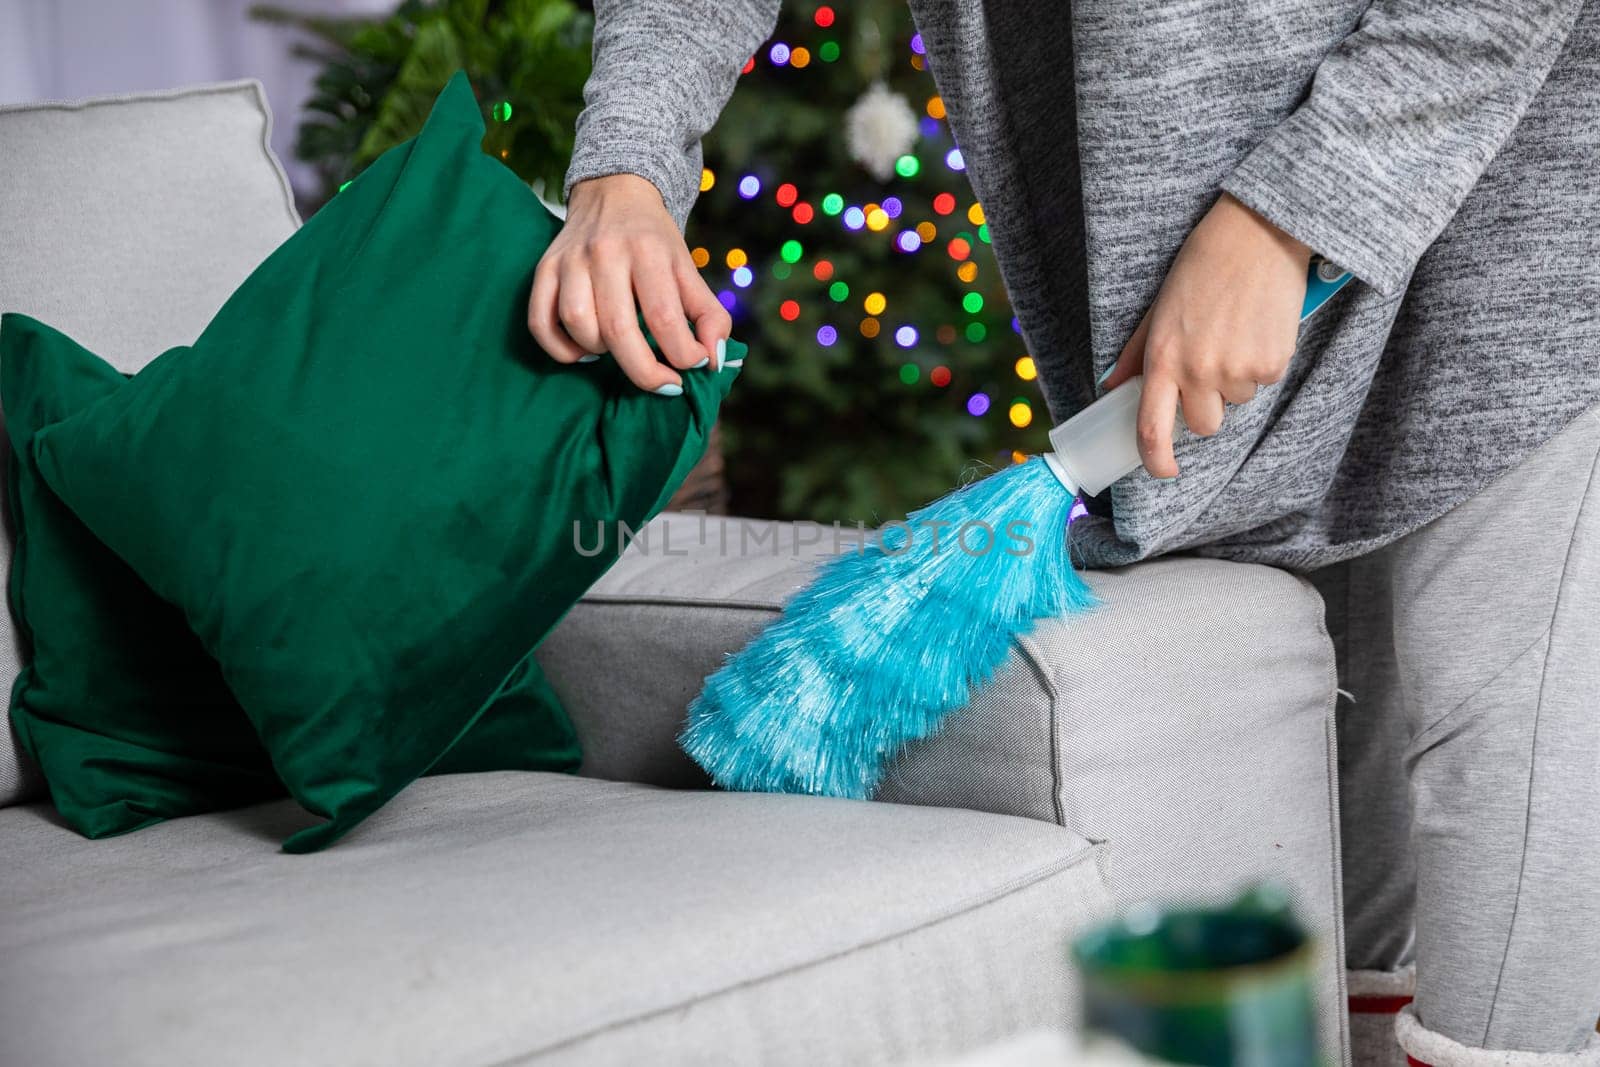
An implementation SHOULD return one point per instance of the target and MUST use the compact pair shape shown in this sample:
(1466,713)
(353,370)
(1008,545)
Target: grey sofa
(1176,743)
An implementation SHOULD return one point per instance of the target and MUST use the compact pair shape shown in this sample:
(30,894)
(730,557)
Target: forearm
(663,69)
(1399,123)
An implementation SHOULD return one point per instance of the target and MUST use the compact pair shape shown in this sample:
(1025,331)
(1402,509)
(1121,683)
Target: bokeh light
(1020,413)
(954,160)
(701,257)
(803,213)
(908,241)
(789,310)
(935,107)
(907,166)
(792,251)
(975,214)
(877,220)
(707,179)
(940,377)
(958,248)
(832,204)
(977,404)
(750,187)
(972,303)
(1026,369)
(786,194)
(800,57)
(854,218)
(736,258)
(892,206)
(779,54)
(828,51)
(838,292)
(823,17)
(909,373)
(875,303)
(943,204)
(869,327)
(822,270)
(826,336)
(905,336)
(743,277)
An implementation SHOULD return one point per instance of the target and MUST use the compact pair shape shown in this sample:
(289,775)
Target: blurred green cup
(1222,987)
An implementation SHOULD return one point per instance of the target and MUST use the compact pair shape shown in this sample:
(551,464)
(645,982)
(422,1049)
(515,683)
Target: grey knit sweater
(1445,151)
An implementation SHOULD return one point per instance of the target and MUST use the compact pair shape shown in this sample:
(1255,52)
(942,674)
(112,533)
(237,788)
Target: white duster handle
(1099,444)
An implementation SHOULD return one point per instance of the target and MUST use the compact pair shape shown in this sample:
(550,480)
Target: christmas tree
(834,222)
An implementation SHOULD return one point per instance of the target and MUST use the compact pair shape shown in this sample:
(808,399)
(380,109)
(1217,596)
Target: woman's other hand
(1224,322)
(619,254)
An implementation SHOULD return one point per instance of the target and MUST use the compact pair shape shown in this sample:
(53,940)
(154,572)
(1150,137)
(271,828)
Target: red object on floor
(1378,1005)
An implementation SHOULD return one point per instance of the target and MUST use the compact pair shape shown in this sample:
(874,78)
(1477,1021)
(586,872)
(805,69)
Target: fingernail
(590,358)
(1105,374)
(668,390)
(702,363)
(722,351)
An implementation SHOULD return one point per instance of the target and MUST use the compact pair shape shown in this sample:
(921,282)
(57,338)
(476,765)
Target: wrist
(1280,240)
(608,185)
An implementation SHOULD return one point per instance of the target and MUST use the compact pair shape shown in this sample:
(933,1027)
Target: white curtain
(68,49)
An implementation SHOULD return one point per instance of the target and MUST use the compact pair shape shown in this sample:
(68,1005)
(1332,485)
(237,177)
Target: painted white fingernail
(668,390)
(722,351)
(702,363)
(1105,374)
(590,358)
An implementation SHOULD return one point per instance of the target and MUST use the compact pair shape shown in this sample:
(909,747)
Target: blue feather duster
(885,643)
(888,641)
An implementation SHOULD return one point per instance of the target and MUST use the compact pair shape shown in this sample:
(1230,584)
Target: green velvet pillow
(364,483)
(117,702)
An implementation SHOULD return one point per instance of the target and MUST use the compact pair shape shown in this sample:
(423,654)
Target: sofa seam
(1053,691)
(667,600)
(1038,876)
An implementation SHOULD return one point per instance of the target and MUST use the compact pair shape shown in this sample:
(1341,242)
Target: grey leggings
(1469,757)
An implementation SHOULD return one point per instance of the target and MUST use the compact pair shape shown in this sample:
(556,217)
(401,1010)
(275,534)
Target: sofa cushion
(1187,720)
(510,917)
(127,221)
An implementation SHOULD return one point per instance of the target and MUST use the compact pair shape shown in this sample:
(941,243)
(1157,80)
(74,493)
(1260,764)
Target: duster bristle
(888,641)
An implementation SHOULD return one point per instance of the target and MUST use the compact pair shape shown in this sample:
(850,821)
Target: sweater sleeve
(1400,122)
(663,69)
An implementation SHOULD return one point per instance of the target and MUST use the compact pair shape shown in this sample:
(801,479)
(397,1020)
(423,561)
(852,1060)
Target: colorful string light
(826,336)
(750,187)
(977,404)
(905,336)
(789,310)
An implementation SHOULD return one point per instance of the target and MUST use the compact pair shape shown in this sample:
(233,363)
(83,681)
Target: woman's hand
(620,251)
(1224,322)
